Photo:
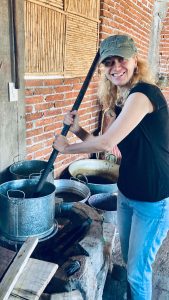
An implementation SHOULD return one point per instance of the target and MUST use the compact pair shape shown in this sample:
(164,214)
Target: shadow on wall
(5,176)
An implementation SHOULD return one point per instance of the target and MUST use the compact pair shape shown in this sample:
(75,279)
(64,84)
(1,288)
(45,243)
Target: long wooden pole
(66,127)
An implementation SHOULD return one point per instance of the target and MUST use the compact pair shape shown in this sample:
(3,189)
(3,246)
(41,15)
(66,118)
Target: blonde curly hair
(107,91)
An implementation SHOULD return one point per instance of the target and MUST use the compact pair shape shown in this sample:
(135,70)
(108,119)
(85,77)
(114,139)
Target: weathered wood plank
(6,256)
(16,268)
(67,296)
(33,280)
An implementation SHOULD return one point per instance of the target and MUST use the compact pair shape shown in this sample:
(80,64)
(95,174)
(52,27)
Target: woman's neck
(123,90)
(122,94)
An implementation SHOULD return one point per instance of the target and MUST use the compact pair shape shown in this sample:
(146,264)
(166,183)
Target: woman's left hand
(60,143)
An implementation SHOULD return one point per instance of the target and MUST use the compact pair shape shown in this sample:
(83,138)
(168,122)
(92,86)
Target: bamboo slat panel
(88,8)
(81,45)
(54,3)
(44,39)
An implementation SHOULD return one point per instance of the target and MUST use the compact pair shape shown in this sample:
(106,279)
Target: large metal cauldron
(27,169)
(71,190)
(100,175)
(22,216)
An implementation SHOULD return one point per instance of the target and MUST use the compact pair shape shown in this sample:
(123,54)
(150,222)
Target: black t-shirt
(144,169)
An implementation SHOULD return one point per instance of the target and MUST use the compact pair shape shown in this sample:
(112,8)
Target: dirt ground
(115,287)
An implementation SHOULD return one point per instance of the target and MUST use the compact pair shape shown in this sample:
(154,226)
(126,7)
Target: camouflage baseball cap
(117,45)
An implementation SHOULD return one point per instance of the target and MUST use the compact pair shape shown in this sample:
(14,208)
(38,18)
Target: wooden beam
(32,282)
(72,295)
(16,268)
(67,296)
(6,257)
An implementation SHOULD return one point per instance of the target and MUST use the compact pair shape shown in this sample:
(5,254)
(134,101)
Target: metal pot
(106,205)
(101,169)
(27,169)
(22,216)
(71,191)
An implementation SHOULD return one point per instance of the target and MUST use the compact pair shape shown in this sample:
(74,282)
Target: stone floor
(115,289)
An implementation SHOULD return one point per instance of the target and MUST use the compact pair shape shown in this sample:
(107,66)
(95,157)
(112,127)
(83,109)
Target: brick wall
(164,55)
(47,100)
(128,17)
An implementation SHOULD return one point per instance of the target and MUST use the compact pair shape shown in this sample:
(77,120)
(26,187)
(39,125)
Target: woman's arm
(72,119)
(134,110)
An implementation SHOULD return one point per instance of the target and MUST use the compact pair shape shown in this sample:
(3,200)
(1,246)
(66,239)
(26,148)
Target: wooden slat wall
(55,3)
(81,44)
(88,8)
(44,39)
(60,37)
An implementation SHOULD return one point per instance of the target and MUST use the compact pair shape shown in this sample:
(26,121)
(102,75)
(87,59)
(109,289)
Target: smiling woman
(120,70)
(140,128)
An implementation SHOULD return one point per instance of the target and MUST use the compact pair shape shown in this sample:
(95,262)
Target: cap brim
(115,53)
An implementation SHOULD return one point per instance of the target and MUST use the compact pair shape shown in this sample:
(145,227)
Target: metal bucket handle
(77,179)
(80,180)
(16,194)
(18,157)
(36,174)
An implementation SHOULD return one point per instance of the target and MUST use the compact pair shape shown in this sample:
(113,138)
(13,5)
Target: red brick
(43,153)
(52,82)
(43,106)
(54,97)
(71,95)
(29,125)
(44,121)
(77,87)
(43,137)
(54,112)
(34,132)
(50,128)
(44,91)
(32,83)
(28,142)
(34,100)
(71,80)
(28,92)
(28,108)
(63,88)
(34,116)
(34,148)
(29,157)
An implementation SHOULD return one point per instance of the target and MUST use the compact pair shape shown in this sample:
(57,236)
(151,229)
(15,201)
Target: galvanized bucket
(27,169)
(22,216)
(106,205)
(68,190)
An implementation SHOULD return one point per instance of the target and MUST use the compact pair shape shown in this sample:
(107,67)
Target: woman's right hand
(71,118)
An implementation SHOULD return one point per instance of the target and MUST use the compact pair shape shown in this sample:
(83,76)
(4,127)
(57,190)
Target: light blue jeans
(142,228)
